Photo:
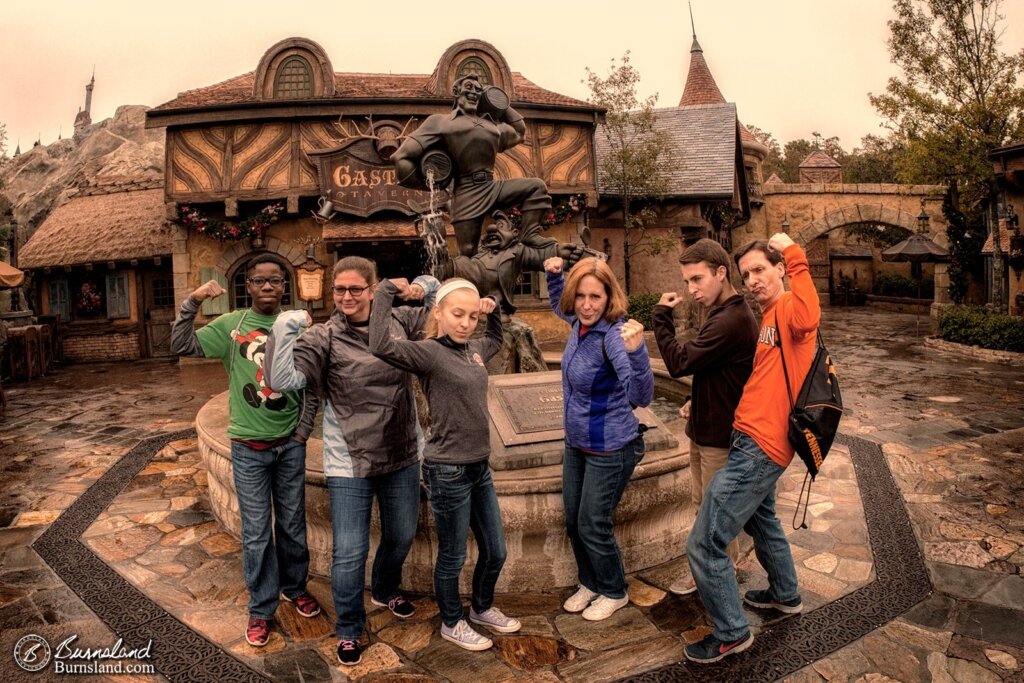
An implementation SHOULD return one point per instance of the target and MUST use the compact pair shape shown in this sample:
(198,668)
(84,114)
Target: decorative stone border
(976,352)
(901,581)
(178,653)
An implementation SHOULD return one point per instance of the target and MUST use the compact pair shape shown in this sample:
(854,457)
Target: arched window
(294,79)
(474,66)
(240,295)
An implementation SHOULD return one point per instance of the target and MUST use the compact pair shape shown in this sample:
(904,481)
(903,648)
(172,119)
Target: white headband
(449,287)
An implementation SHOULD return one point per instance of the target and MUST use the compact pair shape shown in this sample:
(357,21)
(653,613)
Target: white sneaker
(683,586)
(463,635)
(493,618)
(603,607)
(579,600)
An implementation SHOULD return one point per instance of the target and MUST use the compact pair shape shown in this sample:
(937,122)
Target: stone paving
(946,426)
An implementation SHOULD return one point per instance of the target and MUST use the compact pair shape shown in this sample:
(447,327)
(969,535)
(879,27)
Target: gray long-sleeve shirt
(454,380)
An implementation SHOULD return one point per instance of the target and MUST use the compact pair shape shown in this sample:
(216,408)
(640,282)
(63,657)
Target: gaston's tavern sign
(359,181)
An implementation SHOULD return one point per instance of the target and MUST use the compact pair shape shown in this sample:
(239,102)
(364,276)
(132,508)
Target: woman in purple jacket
(606,372)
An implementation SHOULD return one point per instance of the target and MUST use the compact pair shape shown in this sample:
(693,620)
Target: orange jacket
(763,412)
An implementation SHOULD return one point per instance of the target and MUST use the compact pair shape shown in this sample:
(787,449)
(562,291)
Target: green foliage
(640,307)
(898,285)
(966,236)
(981,327)
(958,96)
(636,167)
(877,235)
(875,161)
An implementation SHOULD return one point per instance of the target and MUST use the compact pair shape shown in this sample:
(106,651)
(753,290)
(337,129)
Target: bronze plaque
(532,408)
(526,408)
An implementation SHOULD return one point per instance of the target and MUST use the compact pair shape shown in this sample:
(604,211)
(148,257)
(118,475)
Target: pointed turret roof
(700,84)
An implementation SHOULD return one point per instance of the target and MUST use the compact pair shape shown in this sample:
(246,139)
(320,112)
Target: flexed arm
(403,354)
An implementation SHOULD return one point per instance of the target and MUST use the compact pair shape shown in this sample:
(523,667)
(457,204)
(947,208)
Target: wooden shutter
(220,304)
(59,305)
(118,305)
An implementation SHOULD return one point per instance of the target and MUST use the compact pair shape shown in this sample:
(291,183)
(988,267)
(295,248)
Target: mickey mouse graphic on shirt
(252,347)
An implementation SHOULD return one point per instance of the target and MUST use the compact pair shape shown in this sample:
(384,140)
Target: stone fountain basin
(651,522)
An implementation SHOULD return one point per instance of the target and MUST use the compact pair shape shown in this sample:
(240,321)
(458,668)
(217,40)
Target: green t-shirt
(256,412)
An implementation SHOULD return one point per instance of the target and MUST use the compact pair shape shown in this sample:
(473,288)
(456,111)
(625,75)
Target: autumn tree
(958,97)
(635,163)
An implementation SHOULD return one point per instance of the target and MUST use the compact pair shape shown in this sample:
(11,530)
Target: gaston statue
(472,135)
(502,258)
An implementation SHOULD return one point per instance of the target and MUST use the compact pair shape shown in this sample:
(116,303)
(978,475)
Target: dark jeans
(462,497)
(741,495)
(272,564)
(591,488)
(398,497)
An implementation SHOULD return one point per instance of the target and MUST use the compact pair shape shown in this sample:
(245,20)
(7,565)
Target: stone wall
(101,347)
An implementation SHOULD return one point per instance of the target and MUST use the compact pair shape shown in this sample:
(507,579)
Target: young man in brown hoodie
(720,358)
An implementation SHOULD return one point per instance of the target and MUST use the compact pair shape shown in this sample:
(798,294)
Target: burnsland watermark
(70,659)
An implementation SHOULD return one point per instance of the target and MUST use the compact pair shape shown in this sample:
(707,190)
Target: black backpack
(814,418)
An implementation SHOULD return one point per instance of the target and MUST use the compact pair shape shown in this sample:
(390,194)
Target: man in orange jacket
(742,494)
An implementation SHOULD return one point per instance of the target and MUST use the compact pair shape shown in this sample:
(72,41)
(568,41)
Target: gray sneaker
(463,635)
(494,619)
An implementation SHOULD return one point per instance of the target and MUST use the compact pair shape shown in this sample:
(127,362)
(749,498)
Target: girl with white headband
(452,371)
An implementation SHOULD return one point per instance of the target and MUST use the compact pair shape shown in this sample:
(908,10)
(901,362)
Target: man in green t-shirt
(268,432)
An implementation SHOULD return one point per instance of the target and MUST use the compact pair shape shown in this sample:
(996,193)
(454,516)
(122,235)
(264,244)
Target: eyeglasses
(260,281)
(352,291)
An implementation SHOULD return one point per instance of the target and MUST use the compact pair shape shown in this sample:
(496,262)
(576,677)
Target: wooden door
(159,309)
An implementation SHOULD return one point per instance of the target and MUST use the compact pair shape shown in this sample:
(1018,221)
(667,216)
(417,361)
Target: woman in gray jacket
(371,435)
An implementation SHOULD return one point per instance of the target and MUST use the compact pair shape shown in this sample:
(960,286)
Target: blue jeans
(398,497)
(278,563)
(741,495)
(462,497)
(592,485)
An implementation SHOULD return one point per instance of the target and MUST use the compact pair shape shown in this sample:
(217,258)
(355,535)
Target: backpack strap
(806,485)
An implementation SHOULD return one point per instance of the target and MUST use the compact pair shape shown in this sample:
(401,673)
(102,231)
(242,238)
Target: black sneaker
(763,599)
(349,652)
(712,649)
(398,605)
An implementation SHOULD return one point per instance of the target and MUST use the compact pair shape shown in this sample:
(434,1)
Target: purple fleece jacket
(601,382)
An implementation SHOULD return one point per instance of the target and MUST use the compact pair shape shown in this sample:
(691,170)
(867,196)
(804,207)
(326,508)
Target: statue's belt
(476,177)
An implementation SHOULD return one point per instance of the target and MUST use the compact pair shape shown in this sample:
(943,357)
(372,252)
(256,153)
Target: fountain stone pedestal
(651,522)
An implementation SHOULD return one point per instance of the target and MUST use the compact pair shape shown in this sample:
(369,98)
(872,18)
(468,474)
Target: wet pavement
(950,429)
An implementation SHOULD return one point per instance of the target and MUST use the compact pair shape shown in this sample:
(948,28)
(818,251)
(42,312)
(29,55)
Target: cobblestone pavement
(950,429)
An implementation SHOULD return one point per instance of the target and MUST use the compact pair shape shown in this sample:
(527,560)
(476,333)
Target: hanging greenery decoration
(214,228)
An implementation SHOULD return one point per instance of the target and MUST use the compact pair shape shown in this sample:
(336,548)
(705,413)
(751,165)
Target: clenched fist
(209,290)
(553,264)
(632,335)
(406,291)
(487,305)
(779,241)
(671,299)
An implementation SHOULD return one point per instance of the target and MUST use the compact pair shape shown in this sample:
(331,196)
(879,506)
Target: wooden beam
(231,207)
(292,203)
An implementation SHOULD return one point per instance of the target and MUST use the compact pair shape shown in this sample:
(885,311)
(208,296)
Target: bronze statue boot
(530,232)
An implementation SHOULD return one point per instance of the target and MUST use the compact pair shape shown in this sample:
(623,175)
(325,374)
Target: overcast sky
(791,66)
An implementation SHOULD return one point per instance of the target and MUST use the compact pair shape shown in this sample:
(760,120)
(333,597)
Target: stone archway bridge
(815,209)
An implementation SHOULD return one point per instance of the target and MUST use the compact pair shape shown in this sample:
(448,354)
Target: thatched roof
(116,226)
